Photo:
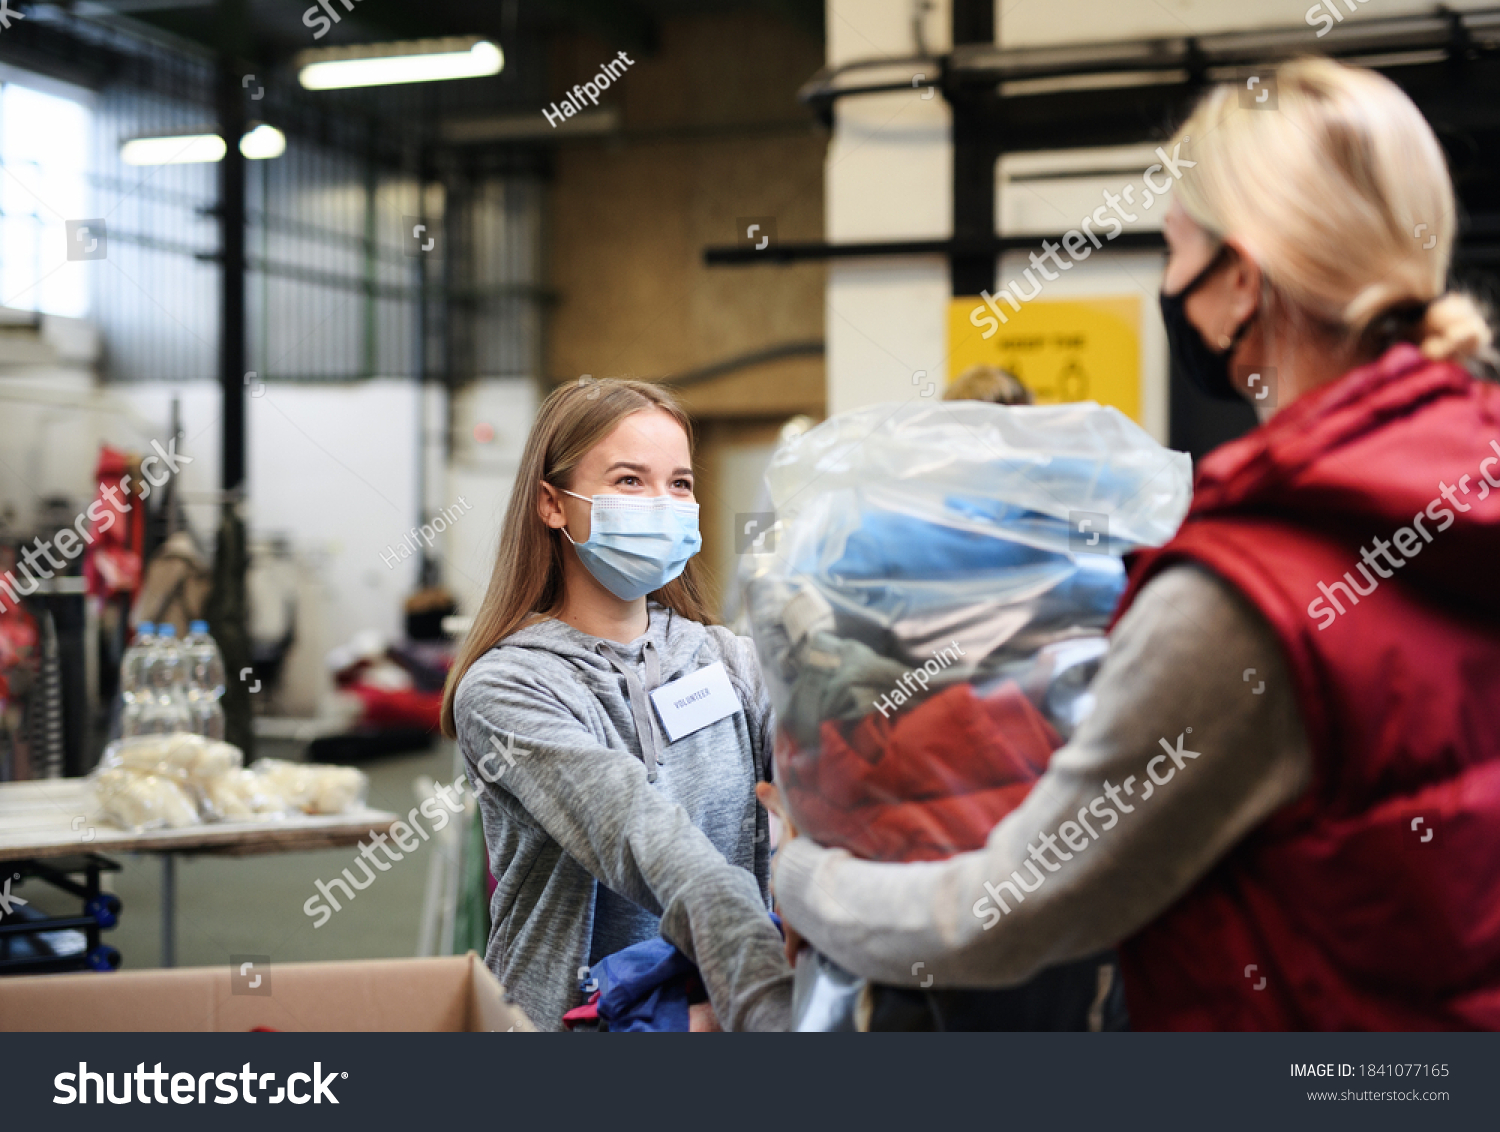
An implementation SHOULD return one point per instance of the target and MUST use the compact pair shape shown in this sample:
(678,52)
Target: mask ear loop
(1244,328)
(1227,342)
(1197,281)
(575,495)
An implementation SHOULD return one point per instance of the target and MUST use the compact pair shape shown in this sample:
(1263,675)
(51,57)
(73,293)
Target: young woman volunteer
(1286,803)
(614,735)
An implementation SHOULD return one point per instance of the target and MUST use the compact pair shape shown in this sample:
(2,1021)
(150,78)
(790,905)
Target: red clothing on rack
(115,555)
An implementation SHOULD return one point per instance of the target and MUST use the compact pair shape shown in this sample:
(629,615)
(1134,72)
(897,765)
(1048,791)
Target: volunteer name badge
(693,702)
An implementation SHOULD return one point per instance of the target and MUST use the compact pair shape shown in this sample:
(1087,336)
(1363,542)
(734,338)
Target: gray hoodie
(598,838)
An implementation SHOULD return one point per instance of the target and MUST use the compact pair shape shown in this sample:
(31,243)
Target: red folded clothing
(587,1013)
(929,830)
(923,784)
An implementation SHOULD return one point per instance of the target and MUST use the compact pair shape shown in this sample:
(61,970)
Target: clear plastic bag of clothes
(930,607)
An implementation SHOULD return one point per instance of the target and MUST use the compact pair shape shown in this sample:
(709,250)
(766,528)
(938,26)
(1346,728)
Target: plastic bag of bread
(180,755)
(242,795)
(314,788)
(138,801)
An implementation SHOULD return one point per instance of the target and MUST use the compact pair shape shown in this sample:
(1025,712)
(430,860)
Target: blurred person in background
(601,832)
(988,383)
(1285,807)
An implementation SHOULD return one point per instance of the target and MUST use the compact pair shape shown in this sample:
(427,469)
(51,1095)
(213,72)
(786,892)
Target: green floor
(253,905)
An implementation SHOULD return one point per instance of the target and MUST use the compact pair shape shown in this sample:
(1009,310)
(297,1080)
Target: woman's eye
(683,485)
(628,481)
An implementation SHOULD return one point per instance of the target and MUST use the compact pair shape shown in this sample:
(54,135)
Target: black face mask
(1205,368)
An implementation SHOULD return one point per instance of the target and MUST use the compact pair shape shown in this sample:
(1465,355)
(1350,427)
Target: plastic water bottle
(205,681)
(169,682)
(135,682)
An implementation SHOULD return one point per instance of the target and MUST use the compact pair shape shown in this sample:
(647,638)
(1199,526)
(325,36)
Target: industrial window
(44,144)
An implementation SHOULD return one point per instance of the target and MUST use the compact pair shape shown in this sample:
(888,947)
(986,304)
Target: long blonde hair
(528,578)
(1342,195)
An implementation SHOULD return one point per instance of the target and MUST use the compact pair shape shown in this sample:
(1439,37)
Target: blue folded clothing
(644,988)
(892,545)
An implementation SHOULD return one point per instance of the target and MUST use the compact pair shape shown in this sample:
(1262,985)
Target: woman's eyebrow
(643,469)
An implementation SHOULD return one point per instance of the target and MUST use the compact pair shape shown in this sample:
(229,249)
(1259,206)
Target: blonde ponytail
(1455,330)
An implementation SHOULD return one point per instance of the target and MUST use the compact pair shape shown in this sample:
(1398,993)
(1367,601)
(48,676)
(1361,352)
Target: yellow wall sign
(1063,349)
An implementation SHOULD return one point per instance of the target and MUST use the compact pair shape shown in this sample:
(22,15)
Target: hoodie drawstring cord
(645,726)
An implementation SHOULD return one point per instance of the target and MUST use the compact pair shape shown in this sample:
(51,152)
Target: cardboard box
(449,994)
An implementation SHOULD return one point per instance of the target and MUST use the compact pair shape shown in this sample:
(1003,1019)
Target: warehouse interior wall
(350,446)
(1079,21)
(889,177)
(709,131)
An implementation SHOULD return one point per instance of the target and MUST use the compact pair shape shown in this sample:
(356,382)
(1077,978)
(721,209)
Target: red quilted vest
(1373,902)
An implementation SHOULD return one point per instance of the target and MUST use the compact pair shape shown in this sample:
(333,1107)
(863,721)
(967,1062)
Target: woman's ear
(1244,282)
(549,506)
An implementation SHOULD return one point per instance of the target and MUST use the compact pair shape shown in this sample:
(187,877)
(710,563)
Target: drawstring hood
(640,711)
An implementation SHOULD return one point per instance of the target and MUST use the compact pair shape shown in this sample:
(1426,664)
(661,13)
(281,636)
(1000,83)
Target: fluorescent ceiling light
(185,150)
(261,143)
(419,61)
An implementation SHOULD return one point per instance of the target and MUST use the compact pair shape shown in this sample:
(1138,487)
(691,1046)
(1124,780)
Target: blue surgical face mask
(636,546)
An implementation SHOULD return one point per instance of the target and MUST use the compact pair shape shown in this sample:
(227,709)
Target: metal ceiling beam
(984,66)
(275,35)
(982,248)
(232,19)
